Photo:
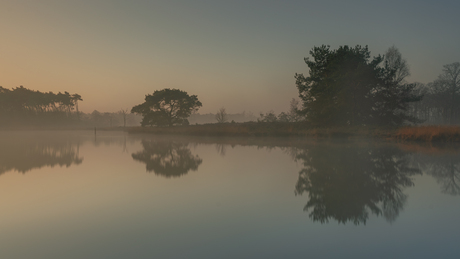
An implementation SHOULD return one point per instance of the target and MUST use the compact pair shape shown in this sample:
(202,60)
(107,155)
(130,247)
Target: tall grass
(267,129)
(429,133)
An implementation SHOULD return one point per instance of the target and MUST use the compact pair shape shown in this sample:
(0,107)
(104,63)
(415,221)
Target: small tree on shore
(124,112)
(221,116)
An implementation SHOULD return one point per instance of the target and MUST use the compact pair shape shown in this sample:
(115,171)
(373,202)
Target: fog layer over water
(112,195)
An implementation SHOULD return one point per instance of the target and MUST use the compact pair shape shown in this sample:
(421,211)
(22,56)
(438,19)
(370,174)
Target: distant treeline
(344,87)
(110,119)
(20,106)
(441,101)
(244,116)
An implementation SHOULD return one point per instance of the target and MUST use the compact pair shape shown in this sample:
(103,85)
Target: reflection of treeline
(445,168)
(24,154)
(24,106)
(440,104)
(345,181)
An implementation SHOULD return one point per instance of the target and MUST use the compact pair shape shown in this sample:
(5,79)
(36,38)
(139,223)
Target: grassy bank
(429,133)
(257,129)
(265,129)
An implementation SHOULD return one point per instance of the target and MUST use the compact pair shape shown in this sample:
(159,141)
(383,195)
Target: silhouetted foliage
(27,107)
(345,87)
(397,65)
(440,104)
(244,116)
(167,107)
(167,158)
(445,168)
(268,117)
(293,115)
(347,183)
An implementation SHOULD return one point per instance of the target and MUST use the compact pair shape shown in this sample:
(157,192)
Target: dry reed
(429,133)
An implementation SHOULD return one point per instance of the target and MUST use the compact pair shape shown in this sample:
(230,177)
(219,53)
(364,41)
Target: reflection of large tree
(167,158)
(346,183)
(24,154)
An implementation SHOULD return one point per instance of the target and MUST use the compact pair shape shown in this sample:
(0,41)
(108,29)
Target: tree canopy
(167,107)
(346,87)
(25,106)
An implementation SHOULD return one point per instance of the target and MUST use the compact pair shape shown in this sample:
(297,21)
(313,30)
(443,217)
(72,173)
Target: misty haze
(223,129)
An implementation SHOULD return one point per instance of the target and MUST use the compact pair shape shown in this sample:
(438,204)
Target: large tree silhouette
(346,87)
(167,107)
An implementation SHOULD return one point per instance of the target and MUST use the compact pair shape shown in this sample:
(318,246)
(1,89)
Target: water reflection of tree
(444,168)
(221,149)
(167,158)
(23,155)
(347,183)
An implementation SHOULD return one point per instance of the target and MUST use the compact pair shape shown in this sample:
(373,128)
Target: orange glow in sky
(241,55)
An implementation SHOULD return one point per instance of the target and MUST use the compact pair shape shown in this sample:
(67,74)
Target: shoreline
(299,130)
(438,134)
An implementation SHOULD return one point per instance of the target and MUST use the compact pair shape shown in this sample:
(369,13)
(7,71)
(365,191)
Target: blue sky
(241,55)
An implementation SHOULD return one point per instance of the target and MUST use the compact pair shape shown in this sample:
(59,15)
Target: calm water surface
(77,195)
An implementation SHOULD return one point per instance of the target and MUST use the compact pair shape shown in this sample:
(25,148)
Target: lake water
(114,195)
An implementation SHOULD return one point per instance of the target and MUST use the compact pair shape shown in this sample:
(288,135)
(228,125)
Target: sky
(240,55)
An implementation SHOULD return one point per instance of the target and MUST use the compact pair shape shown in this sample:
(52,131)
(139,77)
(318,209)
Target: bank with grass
(301,129)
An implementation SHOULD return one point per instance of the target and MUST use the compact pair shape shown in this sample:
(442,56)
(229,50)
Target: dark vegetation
(346,94)
(441,102)
(268,129)
(429,133)
(347,88)
(21,106)
(167,108)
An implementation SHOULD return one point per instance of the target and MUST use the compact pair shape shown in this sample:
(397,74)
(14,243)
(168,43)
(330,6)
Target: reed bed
(265,129)
(429,133)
